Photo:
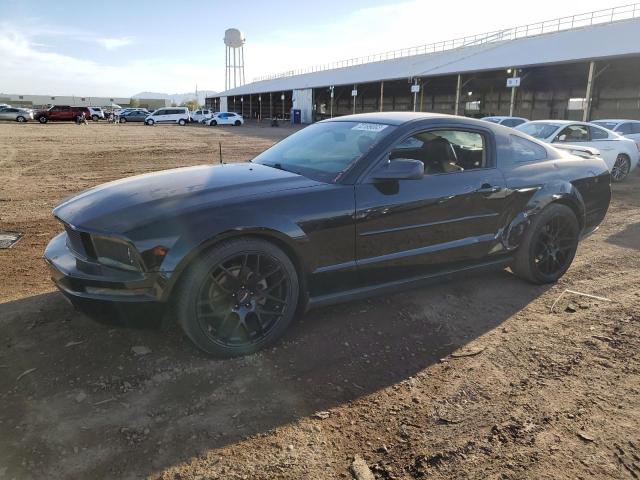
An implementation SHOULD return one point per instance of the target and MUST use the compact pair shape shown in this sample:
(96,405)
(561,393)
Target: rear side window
(512,122)
(598,133)
(523,150)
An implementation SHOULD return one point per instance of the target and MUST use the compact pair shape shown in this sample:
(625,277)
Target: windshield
(607,125)
(323,151)
(538,130)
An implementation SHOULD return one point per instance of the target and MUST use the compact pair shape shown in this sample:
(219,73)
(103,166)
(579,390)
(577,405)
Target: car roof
(398,118)
(616,120)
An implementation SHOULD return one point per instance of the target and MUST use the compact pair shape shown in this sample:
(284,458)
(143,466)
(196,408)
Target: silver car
(15,114)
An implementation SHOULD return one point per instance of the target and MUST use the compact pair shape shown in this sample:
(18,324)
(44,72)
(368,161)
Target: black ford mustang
(343,209)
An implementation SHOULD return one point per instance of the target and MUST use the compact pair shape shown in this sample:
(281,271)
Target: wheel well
(574,208)
(282,245)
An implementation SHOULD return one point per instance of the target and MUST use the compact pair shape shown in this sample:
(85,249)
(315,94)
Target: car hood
(119,206)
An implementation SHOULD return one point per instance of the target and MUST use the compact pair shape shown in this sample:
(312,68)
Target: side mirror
(400,169)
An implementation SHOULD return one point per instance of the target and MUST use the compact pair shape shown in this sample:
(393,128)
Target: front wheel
(237,123)
(149,122)
(43,119)
(94,118)
(238,298)
(213,123)
(548,246)
(123,120)
(21,119)
(621,168)
(182,122)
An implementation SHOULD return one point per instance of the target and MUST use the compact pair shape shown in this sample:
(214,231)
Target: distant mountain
(177,98)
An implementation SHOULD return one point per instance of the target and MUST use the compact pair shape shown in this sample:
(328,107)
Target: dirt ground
(477,378)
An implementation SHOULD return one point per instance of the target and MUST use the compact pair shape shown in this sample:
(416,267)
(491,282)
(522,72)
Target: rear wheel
(94,118)
(213,123)
(182,122)
(238,298)
(43,119)
(621,168)
(149,122)
(237,123)
(548,246)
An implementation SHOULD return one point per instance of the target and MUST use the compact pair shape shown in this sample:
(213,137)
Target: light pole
(331,102)
(282,98)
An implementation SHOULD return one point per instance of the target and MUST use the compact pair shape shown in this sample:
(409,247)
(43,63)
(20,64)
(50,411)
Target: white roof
(587,43)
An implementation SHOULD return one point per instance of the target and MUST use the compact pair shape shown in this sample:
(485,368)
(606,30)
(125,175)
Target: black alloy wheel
(621,168)
(239,298)
(548,246)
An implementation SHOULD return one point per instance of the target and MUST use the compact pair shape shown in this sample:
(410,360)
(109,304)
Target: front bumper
(81,278)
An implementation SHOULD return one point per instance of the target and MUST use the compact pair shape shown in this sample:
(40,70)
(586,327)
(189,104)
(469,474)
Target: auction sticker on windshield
(370,127)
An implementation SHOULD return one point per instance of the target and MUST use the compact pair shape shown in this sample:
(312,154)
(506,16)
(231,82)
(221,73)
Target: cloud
(27,67)
(112,43)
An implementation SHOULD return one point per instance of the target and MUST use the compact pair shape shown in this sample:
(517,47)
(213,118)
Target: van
(179,115)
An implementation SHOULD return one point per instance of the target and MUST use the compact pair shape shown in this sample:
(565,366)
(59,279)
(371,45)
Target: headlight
(116,253)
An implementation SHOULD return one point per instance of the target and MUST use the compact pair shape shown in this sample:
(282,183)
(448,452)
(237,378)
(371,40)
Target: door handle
(487,189)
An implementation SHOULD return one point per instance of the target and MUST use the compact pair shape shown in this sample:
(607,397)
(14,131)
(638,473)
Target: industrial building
(42,101)
(581,67)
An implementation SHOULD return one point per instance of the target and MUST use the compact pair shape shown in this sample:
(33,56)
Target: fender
(554,192)
(210,231)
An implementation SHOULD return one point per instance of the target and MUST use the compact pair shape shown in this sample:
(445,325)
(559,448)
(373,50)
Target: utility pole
(458,87)
(381,94)
(587,107)
(512,105)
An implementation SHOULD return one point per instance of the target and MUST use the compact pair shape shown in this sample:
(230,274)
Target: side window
(574,133)
(443,151)
(635,127)
(598,133)
(161,112)
(625,128)
(523,150)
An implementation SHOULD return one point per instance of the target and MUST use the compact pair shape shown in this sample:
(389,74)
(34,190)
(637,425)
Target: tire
(43,120)
(238,298)
(621,168)
(149,122)
(237,123)
(213,123)
(541,258)
(94,118)
(182,122)
(123,120)
(21,119)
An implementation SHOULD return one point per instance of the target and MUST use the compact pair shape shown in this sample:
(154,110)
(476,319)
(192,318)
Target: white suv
(200,115)
(179,115)
(96,113)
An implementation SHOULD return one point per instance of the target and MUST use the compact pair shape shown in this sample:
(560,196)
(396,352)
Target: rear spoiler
(579,150)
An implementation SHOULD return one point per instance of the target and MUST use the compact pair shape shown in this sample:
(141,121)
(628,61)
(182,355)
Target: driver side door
(450,217)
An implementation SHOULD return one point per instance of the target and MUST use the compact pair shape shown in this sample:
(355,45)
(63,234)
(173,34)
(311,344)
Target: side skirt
(403,285)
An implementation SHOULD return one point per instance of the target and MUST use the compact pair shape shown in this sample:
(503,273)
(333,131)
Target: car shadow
(92,406)
(627,238)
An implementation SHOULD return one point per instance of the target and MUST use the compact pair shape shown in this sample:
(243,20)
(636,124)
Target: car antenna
(220,152)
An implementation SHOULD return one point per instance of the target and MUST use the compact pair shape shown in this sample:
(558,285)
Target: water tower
(234,57)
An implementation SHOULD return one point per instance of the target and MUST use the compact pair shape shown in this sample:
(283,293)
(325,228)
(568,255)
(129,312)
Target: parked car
(346,208)
(179,115)
(621,154)
(96,113)
(133,116)
(200,115)
(626,128)
(506,121)
(16,114)
(226,118)
(62,113)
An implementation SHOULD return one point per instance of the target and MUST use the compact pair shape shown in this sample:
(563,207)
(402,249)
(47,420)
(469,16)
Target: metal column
(381,95)
(512,105)
(415,95)
(587,107)
(458,87)
(353,99)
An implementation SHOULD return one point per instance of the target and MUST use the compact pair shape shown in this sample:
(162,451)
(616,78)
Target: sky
(119,48)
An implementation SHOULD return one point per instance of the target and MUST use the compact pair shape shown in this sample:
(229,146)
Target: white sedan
(226,118)
(620,154)
(626,128)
